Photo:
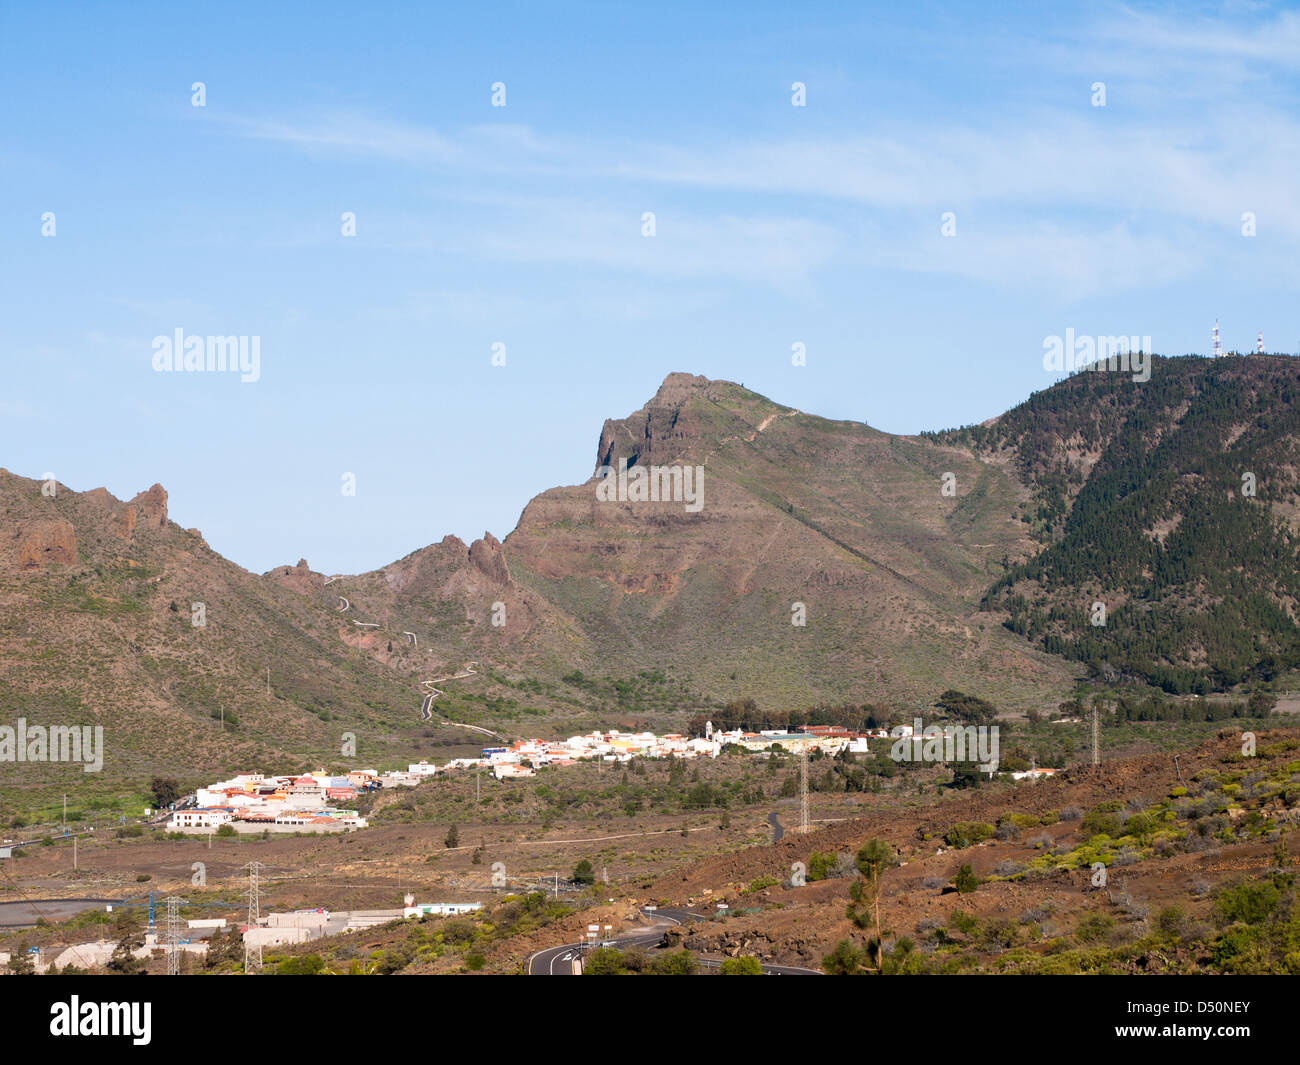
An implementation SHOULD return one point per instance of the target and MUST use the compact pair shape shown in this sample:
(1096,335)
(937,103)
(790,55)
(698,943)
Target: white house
(200,818)
(440,909)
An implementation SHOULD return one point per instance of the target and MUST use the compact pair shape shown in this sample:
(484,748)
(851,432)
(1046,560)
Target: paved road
(774,820)
(24,914)
(426,707)
(558,961)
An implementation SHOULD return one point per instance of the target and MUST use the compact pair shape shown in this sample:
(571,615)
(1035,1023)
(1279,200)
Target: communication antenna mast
(803,791)
(1218,348)
(1259,346)
(253,955)
(174,935)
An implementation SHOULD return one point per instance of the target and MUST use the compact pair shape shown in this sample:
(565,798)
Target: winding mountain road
(426,707)
(558,961)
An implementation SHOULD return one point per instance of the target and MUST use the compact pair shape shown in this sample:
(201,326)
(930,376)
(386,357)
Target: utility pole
(74,852)
(173,935)
(803,792)
(253,955)
(1096,737)
(65,811)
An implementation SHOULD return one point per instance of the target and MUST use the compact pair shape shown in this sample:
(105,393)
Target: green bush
(1093,927)
(1102,822)
(308,965)
(820,865)
(742,966)
(966,833)
(1250,903)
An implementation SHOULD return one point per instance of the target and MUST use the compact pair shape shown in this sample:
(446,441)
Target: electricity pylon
(174,935)
(803,791)
(253,955)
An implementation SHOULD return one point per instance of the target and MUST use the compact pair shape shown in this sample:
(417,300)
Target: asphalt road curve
(25,913)
(558,961)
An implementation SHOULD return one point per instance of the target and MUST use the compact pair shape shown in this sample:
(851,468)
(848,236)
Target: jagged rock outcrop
(660,428)
(489,559)
(151,506)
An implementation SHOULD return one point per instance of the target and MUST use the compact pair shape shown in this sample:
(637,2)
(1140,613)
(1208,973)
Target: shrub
(679,963)
(966,881)
(1171,920)
(1251,903)
(966,833)
(1103,823)
(1093,927)
(307,965)
(845,960)
(821,865)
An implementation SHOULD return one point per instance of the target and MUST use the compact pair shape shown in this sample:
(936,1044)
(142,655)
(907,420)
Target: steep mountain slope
(849,522)
(1173,502)
(914,564)
(798,518)
(99,601)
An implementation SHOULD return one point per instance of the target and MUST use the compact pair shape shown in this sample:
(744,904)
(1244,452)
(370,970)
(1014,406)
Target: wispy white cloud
(1073,198)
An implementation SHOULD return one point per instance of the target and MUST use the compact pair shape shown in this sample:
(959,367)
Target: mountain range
(826,562)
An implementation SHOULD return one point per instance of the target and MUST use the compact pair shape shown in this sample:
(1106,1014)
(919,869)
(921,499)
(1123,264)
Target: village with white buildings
(253,802)
(524,757)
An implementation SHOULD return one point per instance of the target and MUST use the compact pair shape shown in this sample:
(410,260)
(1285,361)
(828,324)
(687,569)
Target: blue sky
(521,225)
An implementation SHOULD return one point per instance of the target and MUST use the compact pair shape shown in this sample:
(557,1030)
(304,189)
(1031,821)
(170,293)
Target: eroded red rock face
(44,543)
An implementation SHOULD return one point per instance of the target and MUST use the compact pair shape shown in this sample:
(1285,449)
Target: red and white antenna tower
(1218,348)
(1259,344)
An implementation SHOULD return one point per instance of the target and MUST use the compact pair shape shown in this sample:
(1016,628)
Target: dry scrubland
(1176,848)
